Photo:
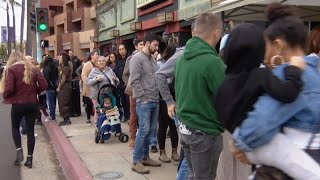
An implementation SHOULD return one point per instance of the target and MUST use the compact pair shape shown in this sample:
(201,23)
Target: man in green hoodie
(199,73)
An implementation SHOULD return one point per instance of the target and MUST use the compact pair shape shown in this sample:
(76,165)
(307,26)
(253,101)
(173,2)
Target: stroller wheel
(101,140)
(97,138)
(123,138)
(117,134)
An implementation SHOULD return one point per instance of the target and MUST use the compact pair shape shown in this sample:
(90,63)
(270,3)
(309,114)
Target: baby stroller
(109,121)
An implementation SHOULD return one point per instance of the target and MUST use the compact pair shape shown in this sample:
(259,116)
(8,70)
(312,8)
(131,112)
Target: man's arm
(167,71)
(215,73)
(85,72)
(135,75)
(126,73)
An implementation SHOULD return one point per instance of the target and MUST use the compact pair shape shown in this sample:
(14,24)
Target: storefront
(114,18)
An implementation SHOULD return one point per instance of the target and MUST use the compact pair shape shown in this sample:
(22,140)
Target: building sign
(165,17)
(107,19)
(141,3)
(4,36)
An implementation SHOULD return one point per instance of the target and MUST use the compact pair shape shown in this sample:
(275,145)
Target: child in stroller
(108,119)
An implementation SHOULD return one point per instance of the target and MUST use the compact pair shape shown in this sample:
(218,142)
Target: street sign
(44,43)
(4,36)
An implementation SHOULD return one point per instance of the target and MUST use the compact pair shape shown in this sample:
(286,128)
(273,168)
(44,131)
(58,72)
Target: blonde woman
(20,85)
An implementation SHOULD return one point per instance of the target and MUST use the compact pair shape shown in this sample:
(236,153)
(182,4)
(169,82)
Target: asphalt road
(8,170)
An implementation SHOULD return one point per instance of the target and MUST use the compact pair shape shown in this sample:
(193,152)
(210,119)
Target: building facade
(114,18)
(72,26)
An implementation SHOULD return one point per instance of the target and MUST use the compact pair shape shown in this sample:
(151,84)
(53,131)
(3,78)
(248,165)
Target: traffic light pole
(38,38)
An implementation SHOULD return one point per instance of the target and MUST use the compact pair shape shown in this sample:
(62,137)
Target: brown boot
(150,162)
(140,168)
(175,155)
(163,156)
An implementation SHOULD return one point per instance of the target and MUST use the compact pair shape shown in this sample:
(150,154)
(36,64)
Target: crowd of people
(263,88)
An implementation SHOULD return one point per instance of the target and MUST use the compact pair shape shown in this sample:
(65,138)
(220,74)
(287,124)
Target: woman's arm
(266,120)
(42,82)
(10,84)
(92,79)
(283,90)
(65,73)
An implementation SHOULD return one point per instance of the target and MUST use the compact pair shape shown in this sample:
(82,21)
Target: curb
(72,166)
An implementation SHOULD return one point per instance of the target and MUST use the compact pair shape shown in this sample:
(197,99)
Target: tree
(12,3)
(29,32)
(22,24)
(9,34)
(3,52)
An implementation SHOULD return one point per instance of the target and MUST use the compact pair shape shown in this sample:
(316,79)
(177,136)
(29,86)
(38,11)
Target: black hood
(244,49)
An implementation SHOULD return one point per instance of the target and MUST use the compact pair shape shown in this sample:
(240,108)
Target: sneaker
(64,122)
(38,123)
(23,132)
(88,122)
(140,168)
(154,149)
(150,162)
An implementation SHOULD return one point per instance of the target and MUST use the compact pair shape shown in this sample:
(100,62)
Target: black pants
(164,122)
(88,106)
(30,112)
(43,106)
(125,104)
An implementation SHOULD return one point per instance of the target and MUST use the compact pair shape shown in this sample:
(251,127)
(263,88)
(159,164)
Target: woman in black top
(51,74)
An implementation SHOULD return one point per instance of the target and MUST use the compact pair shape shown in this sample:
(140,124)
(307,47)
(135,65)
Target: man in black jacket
(75,63)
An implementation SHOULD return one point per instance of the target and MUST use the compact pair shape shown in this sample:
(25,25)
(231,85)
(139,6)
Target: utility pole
(29,32)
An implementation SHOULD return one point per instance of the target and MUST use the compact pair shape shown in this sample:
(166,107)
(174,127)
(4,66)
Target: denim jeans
(183,170)
(202,152)
(52,100)
(154,137)
(148,113)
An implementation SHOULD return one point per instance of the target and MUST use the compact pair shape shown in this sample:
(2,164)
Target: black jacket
(75,64)
(245,81)
(51,74)
(118,70)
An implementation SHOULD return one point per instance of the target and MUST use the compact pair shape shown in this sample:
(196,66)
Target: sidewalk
(45,163)
(113,155)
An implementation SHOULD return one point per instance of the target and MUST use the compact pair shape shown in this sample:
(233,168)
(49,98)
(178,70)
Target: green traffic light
(43,27)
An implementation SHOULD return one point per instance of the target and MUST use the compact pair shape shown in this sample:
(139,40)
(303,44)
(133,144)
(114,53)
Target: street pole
(29,44)
(38,37)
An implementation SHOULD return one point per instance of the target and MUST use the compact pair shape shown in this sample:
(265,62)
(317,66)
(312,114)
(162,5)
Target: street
(8,151)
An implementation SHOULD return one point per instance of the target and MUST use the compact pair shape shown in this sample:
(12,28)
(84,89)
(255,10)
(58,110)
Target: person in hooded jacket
(258,134)
(199,72)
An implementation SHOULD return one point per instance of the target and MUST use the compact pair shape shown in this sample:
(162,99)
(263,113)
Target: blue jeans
(148,113)
(52,99)
(154,138)
(183,170)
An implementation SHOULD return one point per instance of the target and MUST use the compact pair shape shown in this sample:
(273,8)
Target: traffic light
(42,19)
(33,21)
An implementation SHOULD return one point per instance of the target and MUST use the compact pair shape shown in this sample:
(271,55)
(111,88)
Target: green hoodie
(199,72)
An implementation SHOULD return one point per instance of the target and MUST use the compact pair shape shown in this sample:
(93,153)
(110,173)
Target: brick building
(72,26)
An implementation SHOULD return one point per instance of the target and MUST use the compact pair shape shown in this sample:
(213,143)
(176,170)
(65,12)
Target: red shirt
(17,91)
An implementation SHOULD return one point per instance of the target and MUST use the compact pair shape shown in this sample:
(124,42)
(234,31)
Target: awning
(253,10)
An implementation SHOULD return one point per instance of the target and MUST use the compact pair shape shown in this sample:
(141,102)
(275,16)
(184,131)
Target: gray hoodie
(165,72)
(142,73)
(96,85)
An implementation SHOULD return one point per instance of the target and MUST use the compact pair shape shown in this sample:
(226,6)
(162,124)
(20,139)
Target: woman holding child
(282,123)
